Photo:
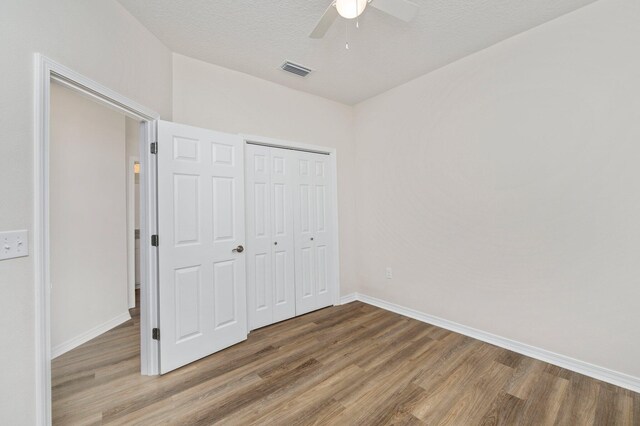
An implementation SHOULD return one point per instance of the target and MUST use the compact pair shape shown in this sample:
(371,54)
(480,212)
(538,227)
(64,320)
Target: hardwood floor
(346,365)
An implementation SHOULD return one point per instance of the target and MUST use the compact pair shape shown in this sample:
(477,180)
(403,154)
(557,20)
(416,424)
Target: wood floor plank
(624,410)
(606,408)
(397,409)
(525,378)
(503,411)
(543,403)
(351,364)
(445,388)
(447,352)
(636,408)
(383,383)
(475,401)
(306,403)
(579,405)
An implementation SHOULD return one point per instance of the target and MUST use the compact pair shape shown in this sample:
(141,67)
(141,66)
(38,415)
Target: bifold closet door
(270,245)
(313,223)
(284,297)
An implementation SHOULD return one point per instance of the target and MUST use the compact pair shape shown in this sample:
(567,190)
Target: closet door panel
(284,302)
(322,229)
(304,210)
(259,235)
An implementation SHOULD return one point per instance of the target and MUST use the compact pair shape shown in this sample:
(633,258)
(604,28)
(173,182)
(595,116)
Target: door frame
(332,153)
(46,71)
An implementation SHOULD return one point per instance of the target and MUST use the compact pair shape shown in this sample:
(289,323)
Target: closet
(246,237)
(289,233)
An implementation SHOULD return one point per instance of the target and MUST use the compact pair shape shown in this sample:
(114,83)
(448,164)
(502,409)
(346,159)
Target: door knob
(238,249)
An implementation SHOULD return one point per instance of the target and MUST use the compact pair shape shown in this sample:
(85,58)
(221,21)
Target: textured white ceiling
(256,36)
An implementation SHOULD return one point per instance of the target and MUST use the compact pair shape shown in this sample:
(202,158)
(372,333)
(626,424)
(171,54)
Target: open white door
(201,233)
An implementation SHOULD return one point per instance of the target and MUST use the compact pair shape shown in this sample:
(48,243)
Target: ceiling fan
(350,9)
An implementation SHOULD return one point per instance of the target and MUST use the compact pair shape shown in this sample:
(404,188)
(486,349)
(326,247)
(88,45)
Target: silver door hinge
(155,240)
(154,147)
(155,334)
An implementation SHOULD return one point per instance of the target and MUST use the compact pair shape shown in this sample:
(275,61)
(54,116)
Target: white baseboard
(348,298)
(88,335)
(591,370)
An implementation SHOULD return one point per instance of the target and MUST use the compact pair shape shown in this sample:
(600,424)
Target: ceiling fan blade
(401,9)
(325,22)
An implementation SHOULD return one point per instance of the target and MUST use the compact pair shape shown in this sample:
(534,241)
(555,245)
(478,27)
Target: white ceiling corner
(256,37)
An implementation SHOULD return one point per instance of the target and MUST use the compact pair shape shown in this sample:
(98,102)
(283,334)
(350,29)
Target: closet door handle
(238,249)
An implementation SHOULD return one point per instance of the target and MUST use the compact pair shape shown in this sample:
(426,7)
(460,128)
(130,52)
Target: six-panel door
(313,236)
(270,242)
(202,294)
(284,302)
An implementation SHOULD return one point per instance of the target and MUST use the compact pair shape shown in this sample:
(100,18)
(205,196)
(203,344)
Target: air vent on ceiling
(295,69)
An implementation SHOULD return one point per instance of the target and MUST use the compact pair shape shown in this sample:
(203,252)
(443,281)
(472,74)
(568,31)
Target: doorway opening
(92,218)
(86,225)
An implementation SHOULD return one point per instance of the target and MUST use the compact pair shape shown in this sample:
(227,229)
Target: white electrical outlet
(389,273)
(14,244)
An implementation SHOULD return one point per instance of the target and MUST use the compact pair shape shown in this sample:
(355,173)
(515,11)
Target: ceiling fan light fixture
(350,9)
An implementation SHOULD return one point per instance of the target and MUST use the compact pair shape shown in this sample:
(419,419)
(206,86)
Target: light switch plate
(14,244)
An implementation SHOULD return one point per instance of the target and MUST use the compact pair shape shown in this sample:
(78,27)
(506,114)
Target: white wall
(504,189)
(96,38)
(88,217)
(209,96)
